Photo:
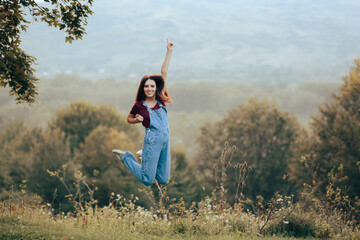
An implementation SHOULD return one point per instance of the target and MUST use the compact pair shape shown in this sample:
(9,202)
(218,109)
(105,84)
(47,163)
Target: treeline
(79,140)
(194,103)
(272,153)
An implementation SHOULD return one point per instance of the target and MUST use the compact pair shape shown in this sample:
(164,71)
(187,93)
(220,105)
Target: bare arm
(165,65)
(134,119)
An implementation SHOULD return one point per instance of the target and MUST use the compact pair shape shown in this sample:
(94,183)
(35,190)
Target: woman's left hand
(170,45)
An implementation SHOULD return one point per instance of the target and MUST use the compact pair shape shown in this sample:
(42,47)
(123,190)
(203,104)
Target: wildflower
(286,222)
(279,200)
(112,194)
(136,198)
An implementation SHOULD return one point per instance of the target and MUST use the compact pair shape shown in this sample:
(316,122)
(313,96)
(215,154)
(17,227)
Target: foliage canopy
(335,139)
(263,136)
(16,69)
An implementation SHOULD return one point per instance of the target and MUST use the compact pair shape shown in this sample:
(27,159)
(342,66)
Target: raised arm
(165,65)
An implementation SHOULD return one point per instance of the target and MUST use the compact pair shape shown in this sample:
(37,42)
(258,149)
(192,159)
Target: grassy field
(128,221)
(27,216)
(47,228)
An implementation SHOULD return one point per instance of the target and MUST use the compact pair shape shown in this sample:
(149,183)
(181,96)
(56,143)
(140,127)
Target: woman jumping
(150,110)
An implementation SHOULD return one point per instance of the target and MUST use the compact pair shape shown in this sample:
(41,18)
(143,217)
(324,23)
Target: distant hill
(257,41)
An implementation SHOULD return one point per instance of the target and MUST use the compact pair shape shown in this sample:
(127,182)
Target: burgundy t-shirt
(139,108)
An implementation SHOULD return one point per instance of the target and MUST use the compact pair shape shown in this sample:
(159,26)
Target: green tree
(335,139)
(16,69)
(51,152)
(183,175)
(7,139)
(27,153)
(16,155)
(81,117)
(103,168)
(263,136)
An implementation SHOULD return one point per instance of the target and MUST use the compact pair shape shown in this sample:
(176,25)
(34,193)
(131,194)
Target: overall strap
(160,104)
(147,107)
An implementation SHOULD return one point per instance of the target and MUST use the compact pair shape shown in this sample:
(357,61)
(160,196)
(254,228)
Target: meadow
(24,216)
(255,172)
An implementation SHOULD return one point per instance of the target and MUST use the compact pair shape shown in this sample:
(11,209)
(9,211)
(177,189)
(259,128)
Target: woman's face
(150,88)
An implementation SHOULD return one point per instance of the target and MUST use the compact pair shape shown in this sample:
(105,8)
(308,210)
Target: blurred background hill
(281,42)
(195,103)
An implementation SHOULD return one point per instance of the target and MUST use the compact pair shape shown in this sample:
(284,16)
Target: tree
(81,117)
(51,152)
(95,153)
(8,139)
(186,182)
(335,139)
(16,155)
(27,153)
(263,136)
(100,164)
(16,69)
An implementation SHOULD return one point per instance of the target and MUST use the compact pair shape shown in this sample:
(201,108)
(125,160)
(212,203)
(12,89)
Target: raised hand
(170,45)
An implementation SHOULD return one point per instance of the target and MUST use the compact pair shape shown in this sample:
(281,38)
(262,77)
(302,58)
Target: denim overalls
(155,151)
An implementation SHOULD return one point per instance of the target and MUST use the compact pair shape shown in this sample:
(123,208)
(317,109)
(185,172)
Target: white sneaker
(118,153)
(140,154)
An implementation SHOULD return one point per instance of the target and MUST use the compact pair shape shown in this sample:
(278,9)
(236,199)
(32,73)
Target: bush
(296,224)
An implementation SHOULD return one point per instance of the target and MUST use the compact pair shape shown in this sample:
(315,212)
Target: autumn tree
(16,71)
(102,167)
(334,140)
(263,136)
(81,117)
(81,136)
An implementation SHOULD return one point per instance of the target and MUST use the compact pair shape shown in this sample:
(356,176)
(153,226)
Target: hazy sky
(254,40)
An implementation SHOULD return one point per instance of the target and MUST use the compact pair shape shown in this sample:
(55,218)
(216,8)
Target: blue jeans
(155,159)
